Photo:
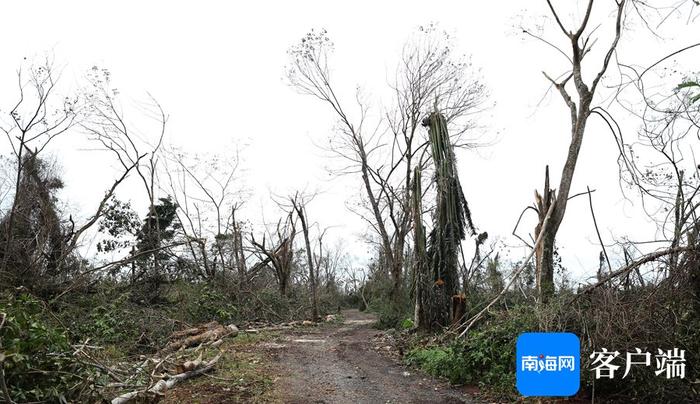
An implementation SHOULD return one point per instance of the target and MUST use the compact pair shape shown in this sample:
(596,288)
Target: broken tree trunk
(544,251)
(451,223)
(459,309)
(300,207)
(514,275)
(193,331)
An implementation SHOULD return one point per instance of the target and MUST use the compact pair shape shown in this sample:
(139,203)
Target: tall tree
(451,223)
(38,117)
(299,205)
(579,103)
(36,237)
(159,226)
(386,155)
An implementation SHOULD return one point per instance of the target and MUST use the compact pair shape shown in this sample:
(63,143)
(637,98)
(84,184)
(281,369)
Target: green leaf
(688,84)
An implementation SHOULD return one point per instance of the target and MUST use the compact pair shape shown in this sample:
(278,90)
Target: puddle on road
(302,340)
(272,345)
(359,321)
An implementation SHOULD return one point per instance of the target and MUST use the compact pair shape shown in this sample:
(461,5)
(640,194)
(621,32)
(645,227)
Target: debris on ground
(182,358)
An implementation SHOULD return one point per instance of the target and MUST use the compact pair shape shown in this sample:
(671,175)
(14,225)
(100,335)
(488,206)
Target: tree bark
(300,208)
(579,117)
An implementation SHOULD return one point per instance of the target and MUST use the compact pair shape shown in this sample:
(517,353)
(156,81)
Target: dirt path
(339,365)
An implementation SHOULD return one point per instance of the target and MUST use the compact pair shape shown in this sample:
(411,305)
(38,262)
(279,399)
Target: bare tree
(109,127)
(299,204)
(386,155)
(280,253)
(203,188)
(580,104)
(660,166)
(239,256)
(35,120)
(58,239)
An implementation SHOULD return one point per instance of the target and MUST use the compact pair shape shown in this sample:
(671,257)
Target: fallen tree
(208,333)
(633,266)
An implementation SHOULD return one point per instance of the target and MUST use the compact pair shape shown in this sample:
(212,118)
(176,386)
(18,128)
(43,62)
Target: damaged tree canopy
(451,222)
(33,237)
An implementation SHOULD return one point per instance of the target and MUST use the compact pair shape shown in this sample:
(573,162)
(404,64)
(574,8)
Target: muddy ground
(331,363)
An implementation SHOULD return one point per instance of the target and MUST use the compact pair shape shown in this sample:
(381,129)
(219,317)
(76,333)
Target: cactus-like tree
(451,223)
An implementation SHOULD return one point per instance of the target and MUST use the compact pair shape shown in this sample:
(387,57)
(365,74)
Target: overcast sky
(217,68)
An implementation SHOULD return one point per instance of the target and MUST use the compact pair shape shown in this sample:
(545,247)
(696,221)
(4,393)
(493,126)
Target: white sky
(217,68)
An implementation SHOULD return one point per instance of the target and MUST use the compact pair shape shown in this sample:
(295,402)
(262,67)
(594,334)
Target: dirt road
(338,364)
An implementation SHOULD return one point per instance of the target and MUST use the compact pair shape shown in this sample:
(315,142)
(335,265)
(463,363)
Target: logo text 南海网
(547,363)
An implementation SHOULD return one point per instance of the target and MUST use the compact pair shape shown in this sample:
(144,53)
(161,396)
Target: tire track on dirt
(339,365)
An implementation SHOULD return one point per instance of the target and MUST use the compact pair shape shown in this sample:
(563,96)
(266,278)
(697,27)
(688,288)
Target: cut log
(275,328)
(210,335)
(194,331)
(166,384)
(189,365)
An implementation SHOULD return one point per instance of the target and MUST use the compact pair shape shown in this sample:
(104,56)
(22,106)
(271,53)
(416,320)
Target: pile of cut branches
(189,353)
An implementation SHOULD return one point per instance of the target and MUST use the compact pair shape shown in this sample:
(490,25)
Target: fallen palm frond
(420,313)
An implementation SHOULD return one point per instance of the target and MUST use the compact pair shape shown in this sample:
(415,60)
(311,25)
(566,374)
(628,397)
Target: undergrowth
(36,356)
(39,339)
(485,358)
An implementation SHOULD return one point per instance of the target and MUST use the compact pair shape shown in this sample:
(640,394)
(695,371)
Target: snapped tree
(579,105)
(439,278)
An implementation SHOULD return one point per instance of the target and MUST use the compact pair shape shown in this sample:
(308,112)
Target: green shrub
(112,319)
(444,362)
(391,311)
(211,304)
(107,321)
(390,315)
(38,360)
(485,357)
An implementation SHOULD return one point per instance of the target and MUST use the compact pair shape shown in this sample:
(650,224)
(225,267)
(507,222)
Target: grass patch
(441,362)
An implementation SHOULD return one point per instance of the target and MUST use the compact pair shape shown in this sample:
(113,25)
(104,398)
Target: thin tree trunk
(419,263)
(309,256)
